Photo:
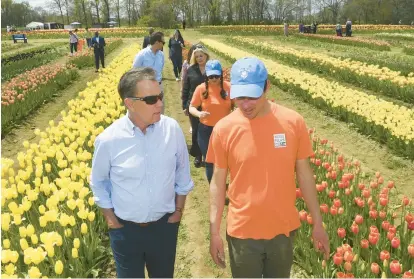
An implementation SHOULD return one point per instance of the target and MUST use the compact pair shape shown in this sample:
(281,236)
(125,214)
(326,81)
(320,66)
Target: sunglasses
(213,77)
(149,100)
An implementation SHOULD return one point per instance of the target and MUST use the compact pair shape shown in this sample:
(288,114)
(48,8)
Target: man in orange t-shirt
(213,98)
(262,145)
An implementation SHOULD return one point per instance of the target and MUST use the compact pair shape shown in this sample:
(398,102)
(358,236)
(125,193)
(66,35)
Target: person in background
(152,56)
(348,28)
(339,30)
(99,44)
(195,77)
(286,28)
(213,98)
(176,45)
(140,179)
(73,40)
(301,28)
(88,36)
(146,41)
(266,148)
(184,23)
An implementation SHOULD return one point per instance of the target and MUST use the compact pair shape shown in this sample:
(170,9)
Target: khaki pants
(250,258)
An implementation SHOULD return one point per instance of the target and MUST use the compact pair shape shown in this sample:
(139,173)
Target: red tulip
(359,219)
(373,185)
(340,250)
(373,238)
(384,255)
(410,249)
(410,226)
(338,259)
(395,242)
(366,193)
(349,275)
(348,191)
(303,215)
(337,203)
(375,268)
(340,210)
(383,201)
(298,193)
(409,218)
(341,232)
(390,184)
(333,175)
(355,228)
(318,162)
(390,235)
(333,210)
(340,158)
(340,274)
(380,180)
(360,202)
(407,274)
(332,194)
(348,256)
(373,214)
(361,186)
(392,229)
(382,214)
(346,247)
(373,229)
(309,219)
(364,243)
(319,188)
(385,225)
(395,267)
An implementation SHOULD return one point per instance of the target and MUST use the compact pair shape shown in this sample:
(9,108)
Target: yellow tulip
(22,232)
(23,244)
(42,209)
(14,256)
(34,272)
(9,269)
(17,218)
(75,253)
(84,228)
(59,267)
(34,239)
(6,243)
(50,251)
(91,216)
(76,243)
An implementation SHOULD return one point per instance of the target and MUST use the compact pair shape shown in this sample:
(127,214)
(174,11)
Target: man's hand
(203,114)
(321,240)
(113,222)
(217,250)
(175,217)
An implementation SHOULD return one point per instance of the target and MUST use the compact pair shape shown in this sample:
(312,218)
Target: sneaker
(197,163)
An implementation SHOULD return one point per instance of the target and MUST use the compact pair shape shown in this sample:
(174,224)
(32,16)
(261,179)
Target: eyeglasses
(149,100)
(213,77)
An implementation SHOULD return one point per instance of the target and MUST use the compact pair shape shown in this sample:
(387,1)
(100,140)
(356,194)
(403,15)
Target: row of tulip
(27,91)
(352,41)
(396,36)
(386,122)
(409,50)
(372,77)
(86,58)
(278,29)
(369,236)
(63,33)
(7,46)
(49,222)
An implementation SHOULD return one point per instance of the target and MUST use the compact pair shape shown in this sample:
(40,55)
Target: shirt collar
(131,128)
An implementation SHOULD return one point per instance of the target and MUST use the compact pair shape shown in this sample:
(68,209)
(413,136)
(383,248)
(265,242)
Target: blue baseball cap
(213,67)
(247,77)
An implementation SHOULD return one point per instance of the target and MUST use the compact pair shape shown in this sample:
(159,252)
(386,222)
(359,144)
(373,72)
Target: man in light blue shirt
(152,56)
(140,179)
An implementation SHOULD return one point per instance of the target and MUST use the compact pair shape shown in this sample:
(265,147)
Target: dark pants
(99,55)
(250,258)
(153,246)
(89,42)
(195,149)
(177,65)
(203,138)
(73,46)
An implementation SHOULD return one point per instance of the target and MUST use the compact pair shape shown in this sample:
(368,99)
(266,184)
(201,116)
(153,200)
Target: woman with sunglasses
(176,45)
(195,77)
(213,98)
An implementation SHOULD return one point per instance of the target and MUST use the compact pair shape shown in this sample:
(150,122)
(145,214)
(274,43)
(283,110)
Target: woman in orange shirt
(213,98)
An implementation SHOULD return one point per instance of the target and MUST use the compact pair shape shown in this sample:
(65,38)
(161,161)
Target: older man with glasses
(152,56)
(140,179)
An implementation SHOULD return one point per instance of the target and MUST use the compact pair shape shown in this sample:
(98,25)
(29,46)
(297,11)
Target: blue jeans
(203,138)
(153,246)
(177,62)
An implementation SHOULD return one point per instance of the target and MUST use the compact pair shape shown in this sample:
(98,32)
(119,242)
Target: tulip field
(51,227)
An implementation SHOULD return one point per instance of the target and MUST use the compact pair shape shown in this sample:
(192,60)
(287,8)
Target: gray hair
(127,86)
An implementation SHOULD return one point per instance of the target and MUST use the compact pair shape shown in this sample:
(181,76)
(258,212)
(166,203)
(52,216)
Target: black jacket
(100,45)
(146,42)
(194,78)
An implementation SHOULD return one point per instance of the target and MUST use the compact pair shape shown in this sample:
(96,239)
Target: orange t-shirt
(214,104)
(260,155)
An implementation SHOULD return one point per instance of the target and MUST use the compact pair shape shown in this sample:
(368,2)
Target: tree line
(170,13)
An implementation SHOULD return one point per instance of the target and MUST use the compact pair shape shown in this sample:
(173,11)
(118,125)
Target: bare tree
(95,4)
(59,5)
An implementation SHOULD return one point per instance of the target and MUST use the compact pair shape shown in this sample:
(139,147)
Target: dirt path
(11,144)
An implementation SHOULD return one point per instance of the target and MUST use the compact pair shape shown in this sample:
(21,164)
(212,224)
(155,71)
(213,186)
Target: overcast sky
(34,3)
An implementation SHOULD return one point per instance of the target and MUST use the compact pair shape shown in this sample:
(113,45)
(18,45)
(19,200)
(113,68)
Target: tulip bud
(383,276)
(385,263)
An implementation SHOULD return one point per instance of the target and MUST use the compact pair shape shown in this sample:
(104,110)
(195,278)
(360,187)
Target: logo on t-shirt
(279,140)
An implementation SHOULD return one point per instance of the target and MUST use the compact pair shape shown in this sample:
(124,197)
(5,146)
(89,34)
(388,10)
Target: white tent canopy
(75,23)
(35,24)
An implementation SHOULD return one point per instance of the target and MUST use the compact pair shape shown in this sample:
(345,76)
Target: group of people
(96,42)
(141,169)
(348,29)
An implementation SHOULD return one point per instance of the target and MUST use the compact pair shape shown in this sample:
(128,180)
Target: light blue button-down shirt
(139,174)
(146,58)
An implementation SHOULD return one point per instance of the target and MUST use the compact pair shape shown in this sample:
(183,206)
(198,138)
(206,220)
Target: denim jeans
(203,138)
(177,65)
(153,246)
